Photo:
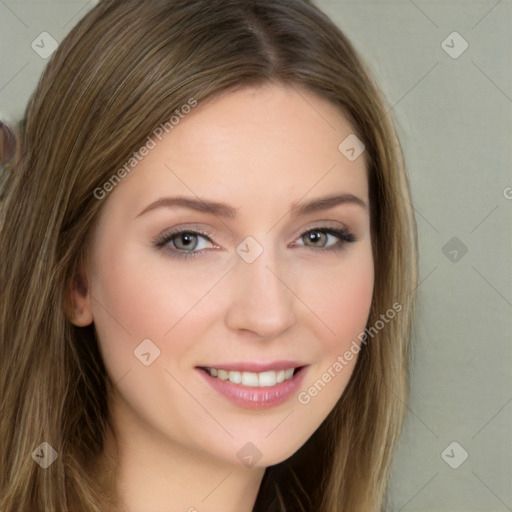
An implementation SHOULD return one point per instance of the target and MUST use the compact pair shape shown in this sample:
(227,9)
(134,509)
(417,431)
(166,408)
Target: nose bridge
(261,302)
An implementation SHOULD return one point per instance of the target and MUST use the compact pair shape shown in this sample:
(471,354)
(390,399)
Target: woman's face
(238,248)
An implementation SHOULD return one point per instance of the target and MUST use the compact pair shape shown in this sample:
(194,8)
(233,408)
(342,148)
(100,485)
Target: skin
(259,151)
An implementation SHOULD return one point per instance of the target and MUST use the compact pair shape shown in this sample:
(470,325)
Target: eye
(189,241)
(326,238)
(183,243)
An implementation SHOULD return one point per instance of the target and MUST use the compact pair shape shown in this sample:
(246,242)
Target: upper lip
(255,366)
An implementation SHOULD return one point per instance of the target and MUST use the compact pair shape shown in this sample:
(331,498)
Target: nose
(261,302)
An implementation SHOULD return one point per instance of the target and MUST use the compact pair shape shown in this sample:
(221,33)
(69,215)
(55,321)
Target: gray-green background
(454,118)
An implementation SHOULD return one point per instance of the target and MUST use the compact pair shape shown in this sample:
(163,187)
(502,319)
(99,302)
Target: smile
(249,388)
(252,379)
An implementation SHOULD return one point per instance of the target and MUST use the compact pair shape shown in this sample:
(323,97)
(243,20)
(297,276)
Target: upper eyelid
(314,224)
(325,225)
(194,230)
(165,237)
(168,233)
(341,233)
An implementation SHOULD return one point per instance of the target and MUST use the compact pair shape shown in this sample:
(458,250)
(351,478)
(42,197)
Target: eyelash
(344,236)
(162,241)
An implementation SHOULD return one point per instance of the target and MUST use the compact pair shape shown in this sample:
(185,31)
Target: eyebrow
(201,205)
(325,203)
(223,210)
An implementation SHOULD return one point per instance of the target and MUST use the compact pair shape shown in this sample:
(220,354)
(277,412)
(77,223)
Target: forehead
(252,144)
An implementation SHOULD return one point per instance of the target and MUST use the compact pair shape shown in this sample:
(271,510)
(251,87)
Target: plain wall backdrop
(446,68)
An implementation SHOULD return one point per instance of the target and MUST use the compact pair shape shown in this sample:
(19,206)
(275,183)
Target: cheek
(134,301)
(341,301)
(340,297)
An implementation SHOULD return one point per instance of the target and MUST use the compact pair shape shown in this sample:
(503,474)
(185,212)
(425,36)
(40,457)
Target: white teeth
(222,374)
(251,379)
(288,373)
(235,377)
(268,378)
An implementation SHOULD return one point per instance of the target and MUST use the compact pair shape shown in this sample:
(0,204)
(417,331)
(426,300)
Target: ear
(78,301)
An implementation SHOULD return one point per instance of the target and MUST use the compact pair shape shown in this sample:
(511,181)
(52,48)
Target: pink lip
(256,397)
(255,366)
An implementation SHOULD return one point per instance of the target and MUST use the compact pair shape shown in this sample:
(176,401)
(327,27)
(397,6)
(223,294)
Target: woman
(211,268)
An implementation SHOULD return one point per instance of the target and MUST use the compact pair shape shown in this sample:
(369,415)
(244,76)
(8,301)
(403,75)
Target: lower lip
(256,397)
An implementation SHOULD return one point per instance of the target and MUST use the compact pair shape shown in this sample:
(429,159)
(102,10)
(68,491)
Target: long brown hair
(121,72)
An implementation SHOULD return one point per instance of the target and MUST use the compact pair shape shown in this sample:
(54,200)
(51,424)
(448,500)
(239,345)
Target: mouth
(253,379)
(255,386)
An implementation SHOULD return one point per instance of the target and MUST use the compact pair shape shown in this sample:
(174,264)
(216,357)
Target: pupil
(316,238)
(186,241)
